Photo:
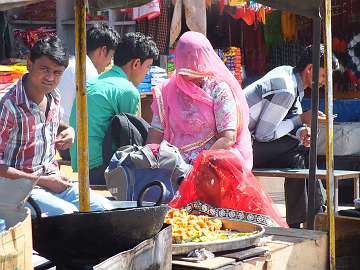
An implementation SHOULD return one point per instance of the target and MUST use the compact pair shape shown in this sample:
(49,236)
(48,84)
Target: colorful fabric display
(249,11)
(232,59)
(289,26)
(9,75)
(272,29)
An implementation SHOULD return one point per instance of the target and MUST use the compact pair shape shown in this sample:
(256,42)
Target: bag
(219,185)
(124,129)
(133,167)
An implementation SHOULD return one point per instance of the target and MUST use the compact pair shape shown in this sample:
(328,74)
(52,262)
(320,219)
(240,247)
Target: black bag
(124,129)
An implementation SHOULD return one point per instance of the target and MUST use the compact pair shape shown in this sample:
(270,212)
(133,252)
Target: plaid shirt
(27,137)
(274,103)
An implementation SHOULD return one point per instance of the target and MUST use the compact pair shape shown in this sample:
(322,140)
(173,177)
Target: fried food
(193,228)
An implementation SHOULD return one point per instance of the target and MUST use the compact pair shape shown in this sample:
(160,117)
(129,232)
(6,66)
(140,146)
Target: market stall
(310,8)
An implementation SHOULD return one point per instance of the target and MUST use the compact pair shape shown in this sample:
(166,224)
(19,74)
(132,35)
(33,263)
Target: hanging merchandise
(288,26)
(148,11)
(272,29)
(249,11)
(233,3)
(195,16)
(254,50)
(157,28)
(30,36)
(354,60)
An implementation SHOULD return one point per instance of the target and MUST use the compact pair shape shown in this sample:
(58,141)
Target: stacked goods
(9,74)
(154,77)
(232,58)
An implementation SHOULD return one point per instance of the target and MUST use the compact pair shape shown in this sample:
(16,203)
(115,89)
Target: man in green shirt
(114,92)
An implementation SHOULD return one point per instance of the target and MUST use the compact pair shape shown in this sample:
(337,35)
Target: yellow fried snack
(187,228)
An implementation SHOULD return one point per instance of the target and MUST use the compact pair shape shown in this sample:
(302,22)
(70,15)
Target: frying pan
(87,238)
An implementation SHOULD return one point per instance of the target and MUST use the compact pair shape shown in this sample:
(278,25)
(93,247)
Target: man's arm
(12,173)
(54,182)
(65,137)
(271,123)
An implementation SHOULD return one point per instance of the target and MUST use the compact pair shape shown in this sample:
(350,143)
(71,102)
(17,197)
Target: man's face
(139,70)
(309,75)
(322,77)
(104,59)
(45,73)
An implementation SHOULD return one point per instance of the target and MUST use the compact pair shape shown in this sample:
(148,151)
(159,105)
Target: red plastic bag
(219,185)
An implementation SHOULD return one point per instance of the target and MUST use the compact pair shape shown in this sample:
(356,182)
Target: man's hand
(65,139)
(306,117)
(305,136)
(54,182)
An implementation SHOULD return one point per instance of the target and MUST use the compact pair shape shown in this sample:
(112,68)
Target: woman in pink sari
(202,110)
(202,106)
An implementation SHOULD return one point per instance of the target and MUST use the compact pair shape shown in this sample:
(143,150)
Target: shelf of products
(72,22)
(124,23)
(31,22)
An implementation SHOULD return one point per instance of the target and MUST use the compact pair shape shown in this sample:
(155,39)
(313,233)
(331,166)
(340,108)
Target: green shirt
(110,94)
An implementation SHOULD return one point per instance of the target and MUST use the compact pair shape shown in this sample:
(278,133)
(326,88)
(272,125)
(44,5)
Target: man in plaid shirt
(280,129)
(29,122)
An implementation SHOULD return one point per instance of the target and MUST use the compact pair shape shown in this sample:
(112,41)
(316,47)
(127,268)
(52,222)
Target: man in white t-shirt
(101,42)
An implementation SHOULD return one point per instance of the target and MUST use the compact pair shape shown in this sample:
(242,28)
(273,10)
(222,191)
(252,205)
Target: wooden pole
(81,104)
(329,134)
(314,123)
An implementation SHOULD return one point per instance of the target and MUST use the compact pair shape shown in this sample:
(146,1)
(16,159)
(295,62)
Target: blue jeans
(66,202)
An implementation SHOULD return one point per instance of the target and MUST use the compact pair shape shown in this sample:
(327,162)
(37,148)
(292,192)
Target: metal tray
(224,245)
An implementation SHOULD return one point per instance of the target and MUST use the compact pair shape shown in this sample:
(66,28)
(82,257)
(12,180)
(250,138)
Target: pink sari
(194,56)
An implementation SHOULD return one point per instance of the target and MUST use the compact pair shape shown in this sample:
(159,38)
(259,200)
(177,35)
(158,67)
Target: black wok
(87,238)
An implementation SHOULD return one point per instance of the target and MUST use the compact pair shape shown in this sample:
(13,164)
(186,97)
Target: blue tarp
(347,110)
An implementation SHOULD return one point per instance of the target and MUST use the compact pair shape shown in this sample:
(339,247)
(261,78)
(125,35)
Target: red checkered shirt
(27,137)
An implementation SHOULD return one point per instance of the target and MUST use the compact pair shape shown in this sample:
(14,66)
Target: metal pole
(81,104)
(329,134)
(314,123)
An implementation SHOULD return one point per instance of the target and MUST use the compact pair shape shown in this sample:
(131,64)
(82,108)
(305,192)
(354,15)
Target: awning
(9,4)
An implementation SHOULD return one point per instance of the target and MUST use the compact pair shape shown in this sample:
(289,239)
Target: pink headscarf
(194,56)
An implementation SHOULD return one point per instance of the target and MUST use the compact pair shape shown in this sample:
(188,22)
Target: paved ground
(274,187)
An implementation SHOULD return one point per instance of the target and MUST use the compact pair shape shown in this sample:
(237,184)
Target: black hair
(101,35)
(51,47)
(306,59)
(135,45)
